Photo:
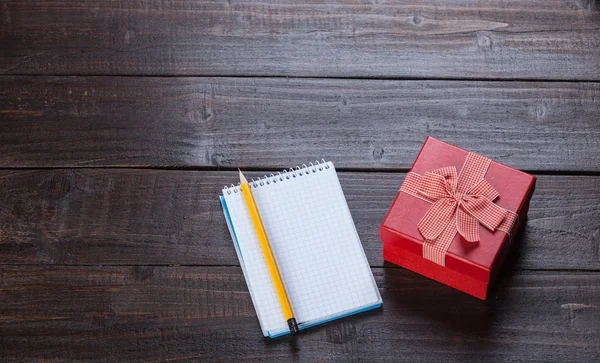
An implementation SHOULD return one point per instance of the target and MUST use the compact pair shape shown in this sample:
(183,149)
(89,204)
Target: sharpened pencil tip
(242,177)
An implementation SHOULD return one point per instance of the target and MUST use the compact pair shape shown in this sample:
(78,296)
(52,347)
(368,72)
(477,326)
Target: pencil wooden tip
(242,177)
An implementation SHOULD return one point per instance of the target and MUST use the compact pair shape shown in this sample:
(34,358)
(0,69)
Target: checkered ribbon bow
(460,204)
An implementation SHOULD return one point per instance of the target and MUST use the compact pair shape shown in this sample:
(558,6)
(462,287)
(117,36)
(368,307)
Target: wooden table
(120,121)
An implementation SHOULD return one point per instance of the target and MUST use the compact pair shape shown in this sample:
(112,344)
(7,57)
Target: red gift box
(450,190)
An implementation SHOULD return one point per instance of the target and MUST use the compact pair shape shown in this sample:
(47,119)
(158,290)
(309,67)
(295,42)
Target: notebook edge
(241,260)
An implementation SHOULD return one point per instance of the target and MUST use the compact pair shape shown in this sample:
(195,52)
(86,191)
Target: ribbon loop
(451,177)
(437,218)
(483,210)
(485,189)
(434,186)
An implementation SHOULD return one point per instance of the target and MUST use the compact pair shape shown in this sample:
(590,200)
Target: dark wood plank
(140,217)
(536,39)
(277,123)
(205,314)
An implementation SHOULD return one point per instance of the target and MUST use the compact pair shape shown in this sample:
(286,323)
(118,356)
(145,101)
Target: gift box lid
(474,259)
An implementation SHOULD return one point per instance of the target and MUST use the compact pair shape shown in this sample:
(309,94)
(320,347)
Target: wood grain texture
(140,217)
(205,314)
(535,39)
(277,123)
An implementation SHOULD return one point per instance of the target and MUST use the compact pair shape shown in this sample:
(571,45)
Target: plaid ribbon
(459,204)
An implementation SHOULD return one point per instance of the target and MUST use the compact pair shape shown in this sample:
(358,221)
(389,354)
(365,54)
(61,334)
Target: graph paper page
(317,249)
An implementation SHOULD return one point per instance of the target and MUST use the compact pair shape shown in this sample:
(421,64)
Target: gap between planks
(387,266)
(270,169)
(275,76)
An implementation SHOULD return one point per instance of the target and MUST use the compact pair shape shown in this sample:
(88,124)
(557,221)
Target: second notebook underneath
(316,246)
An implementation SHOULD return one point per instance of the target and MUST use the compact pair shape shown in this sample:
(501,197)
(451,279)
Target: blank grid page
(316,246)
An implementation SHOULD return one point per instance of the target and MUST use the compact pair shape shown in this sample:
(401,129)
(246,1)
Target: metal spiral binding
(281,176)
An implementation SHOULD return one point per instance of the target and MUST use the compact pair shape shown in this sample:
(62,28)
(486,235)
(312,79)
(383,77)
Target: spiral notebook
(315,243)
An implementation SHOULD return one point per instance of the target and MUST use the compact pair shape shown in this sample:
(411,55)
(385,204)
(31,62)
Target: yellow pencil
(269,257)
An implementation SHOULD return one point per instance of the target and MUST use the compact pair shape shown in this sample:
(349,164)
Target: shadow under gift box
(470,266)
